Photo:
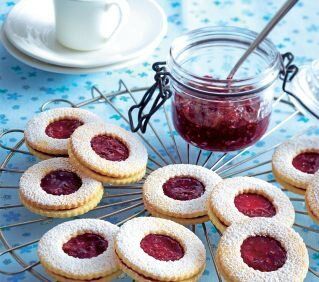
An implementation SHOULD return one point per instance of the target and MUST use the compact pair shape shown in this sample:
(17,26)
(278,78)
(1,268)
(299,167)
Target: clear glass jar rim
(204,35)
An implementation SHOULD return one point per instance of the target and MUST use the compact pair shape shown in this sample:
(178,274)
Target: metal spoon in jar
(264,33)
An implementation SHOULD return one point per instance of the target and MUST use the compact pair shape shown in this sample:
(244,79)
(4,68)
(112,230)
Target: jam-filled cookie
(312,198)
(55,188)
(155,249)
(80,250)
(47,133)
(108,153)
(239,198)
(295,162)
(179,192)
(260,249)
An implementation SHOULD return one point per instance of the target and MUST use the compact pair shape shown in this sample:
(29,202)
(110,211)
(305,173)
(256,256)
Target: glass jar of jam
(210,111)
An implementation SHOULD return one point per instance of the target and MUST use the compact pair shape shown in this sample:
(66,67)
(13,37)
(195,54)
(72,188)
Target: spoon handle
(267,29)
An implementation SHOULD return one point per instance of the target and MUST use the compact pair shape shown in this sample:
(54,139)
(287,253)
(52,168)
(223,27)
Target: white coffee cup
(88,24)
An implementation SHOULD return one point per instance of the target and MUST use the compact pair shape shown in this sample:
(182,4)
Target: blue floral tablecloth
(23,89)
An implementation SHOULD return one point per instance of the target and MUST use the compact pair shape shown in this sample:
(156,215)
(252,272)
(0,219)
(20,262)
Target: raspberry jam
(307,162)
(254,205)
(63,128)
(219,125)
(109,148)
(87,245)
(211,110)
(61,182)
(162,247)
(183,188)
(263,253)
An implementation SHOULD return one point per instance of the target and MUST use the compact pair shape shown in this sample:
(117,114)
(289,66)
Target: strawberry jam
(109,148)
(62,129)
(254,205)
(263,253)
(183,188)
(87,245)
(61,182)
(162,247)
(220,124)
(307,162)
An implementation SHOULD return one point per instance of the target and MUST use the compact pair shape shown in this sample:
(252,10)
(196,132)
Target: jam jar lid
(305,89)
(202,59)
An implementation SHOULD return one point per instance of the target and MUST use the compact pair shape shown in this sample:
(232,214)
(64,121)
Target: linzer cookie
(47,134)
(179,192)
(312,198)
(55,188)
(80,250)
(108,153)
(240,198)
(261,250)
(155,249)
(295,162)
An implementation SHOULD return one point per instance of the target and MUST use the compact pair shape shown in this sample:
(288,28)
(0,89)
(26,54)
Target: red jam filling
(254,205)
(84,246)
(62,129)
(263,253)
(162,247)
(183,188)
(220,124)
(307,162)
(109,148)
(61,182)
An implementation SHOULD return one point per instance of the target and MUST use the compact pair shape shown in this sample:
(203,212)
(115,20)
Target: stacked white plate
(29,35)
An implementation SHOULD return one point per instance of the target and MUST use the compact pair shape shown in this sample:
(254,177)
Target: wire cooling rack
(122,203)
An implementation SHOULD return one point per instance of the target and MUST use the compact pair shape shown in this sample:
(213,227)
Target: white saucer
(30,28)
(58,69)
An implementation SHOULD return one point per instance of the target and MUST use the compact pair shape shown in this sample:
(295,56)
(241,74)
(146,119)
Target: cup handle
(124,9)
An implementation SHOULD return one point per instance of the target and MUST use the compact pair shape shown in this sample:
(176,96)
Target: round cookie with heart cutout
(155,249)
(108,153)
(55,188)
(239,198)
(47,134)
(80,250)
(294,163)
(179,192)
(260,249)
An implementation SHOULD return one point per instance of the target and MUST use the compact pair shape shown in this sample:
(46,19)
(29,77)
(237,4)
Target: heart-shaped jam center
(183,188)
(162,247)
(263,253)
(86,245)
(61,182)
(307,162)
(254,205)
(63,128)
(110,148)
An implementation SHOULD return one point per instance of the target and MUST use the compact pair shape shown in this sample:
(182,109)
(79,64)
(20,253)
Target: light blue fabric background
(23,89)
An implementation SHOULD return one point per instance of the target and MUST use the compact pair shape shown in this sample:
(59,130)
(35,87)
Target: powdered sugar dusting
(32,191)
(81,146)
(221,201)
(153,193)
(312,196)
(284,155)
(53,257)
(35,130)
(229,256)
(129,250)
